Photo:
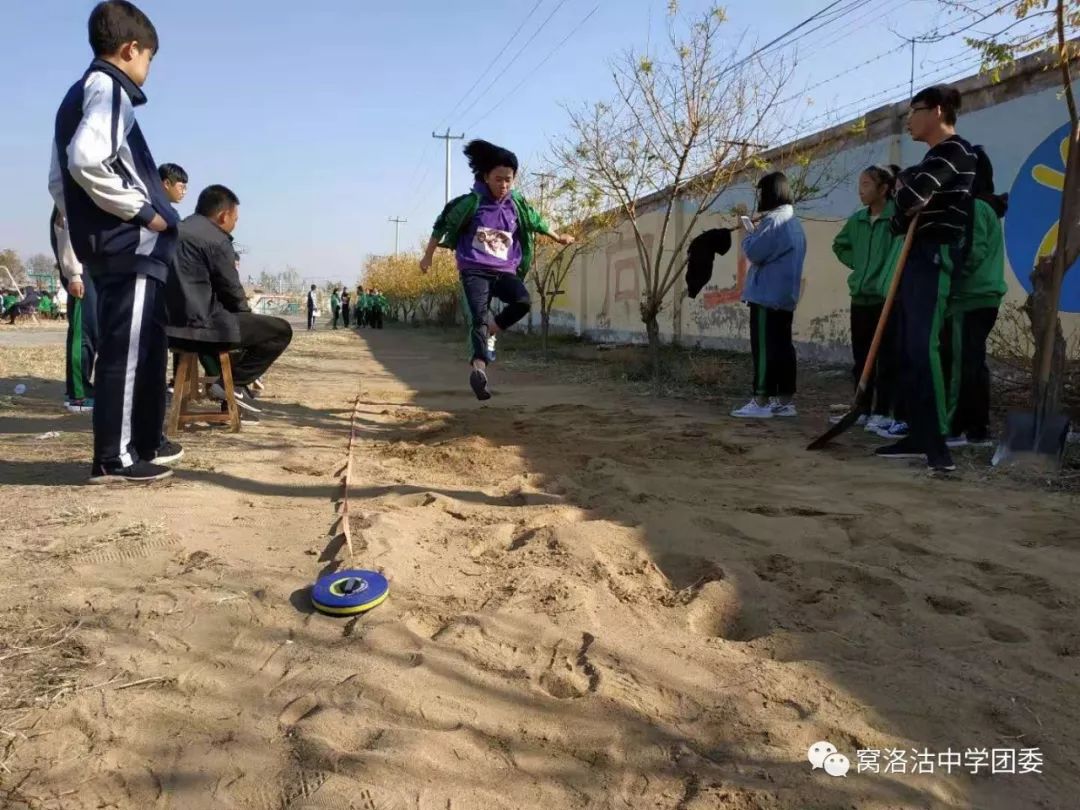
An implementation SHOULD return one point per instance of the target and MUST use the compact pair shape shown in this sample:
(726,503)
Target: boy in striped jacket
(938,190)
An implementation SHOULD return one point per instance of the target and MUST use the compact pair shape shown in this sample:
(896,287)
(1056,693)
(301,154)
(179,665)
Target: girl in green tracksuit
(867,246)
(974,299)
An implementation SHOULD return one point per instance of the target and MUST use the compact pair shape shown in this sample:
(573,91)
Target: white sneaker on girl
(783,410)
(877,423)
(751,410)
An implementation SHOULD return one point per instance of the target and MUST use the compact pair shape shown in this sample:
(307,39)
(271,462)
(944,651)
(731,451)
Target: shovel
(1040,435)
(858,407)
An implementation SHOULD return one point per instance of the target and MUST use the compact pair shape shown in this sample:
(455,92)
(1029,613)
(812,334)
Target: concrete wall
(1021,122)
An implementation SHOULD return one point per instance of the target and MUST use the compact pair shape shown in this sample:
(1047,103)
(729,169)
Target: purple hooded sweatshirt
(490,243)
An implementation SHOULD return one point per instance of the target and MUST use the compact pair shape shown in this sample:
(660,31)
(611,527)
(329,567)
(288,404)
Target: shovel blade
(1026,435)
(849,420)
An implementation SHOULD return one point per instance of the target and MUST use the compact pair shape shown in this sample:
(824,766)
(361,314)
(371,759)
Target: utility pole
(447,138)
(911,83)
(397,230)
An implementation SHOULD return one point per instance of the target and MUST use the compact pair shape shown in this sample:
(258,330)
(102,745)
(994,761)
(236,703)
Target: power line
(852,69)
(485,72)
(537,67)
(869,16)
(964,63)
(421,163)
(528,42)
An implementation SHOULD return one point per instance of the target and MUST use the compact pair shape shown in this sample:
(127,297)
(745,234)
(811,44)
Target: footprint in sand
(1006,633)
(298,709)
(948,605)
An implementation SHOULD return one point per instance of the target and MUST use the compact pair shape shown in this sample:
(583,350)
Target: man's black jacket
(204,289)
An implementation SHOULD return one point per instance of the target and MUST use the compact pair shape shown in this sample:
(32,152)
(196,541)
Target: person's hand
(565,239)
(158,224)
(425,263)
(76,288)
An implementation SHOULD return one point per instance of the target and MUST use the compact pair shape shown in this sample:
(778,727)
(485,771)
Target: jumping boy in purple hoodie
(491,231)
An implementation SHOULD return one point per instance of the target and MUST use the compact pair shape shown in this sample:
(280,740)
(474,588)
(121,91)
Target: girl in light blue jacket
(776,249)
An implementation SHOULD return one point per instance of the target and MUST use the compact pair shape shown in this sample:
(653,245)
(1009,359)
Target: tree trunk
(545,330)
(1042,311)
(652,329)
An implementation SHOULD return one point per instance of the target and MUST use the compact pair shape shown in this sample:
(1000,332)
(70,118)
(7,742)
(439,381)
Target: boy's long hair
(484,157)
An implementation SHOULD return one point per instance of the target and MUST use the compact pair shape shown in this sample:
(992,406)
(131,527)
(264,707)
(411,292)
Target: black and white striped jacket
(939,189)
(105,181)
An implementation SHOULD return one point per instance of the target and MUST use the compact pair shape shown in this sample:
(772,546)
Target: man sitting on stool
(207,302)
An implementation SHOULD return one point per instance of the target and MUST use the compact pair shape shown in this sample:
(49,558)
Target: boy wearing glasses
(938,190)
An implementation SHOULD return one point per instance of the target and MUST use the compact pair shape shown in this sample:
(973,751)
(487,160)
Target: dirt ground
(599,599)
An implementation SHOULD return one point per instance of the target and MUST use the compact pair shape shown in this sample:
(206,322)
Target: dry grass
(42,362)
(40,664)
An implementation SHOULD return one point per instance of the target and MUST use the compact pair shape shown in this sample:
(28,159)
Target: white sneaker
(217,391)
(491,348)
(780,409)
(877,423)
(751,410)
(897,430)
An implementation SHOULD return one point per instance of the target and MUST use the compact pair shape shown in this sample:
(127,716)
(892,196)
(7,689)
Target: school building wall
(1021,121)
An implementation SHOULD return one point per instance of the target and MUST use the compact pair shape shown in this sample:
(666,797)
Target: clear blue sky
(319,114)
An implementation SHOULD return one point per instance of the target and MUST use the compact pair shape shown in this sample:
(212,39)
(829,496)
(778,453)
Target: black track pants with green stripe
(924,292)
(964,356)
(774,353)
(82,337)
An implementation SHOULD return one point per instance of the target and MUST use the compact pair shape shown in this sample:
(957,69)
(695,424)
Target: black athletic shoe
(141,472)
(940,462)
(168,453)
(903,449)
(479,382)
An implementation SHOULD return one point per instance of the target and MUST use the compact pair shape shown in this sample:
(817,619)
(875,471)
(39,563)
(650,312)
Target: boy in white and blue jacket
(123,229)
(776,249)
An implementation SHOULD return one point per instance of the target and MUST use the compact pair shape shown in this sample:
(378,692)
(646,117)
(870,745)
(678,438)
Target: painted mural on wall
(1031,225)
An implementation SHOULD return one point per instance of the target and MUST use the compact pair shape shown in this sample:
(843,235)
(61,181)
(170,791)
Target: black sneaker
(141,472)
(940,462)
(903,449)
(168,453)
(479,382)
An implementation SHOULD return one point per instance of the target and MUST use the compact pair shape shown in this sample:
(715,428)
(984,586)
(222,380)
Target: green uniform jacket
(981,284)
(458,213)
(869,250)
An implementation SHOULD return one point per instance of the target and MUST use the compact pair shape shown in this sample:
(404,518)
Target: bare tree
(576,211)
(1054,21)
(681,132)
(10,259)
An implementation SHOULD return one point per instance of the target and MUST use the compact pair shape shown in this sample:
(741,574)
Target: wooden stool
(187,388)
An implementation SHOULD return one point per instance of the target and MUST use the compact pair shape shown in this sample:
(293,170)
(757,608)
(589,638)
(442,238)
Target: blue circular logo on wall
(1031,225)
